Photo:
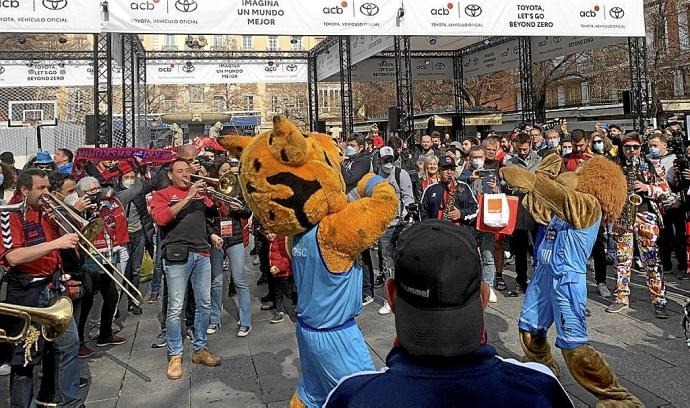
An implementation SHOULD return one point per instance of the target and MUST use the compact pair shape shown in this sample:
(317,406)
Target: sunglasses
(631,147)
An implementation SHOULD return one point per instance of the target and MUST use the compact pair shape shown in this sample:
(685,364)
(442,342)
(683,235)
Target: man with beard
(579,154)
(449,200)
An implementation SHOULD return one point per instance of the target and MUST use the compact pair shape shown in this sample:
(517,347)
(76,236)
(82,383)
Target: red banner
(142,156)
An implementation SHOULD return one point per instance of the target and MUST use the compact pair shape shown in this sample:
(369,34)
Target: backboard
(32,113)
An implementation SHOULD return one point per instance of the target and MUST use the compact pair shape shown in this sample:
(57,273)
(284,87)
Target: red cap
(125,167)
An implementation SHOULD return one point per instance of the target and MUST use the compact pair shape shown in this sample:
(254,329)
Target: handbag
(513,204)
(495,210)
(146,267)
(176,253)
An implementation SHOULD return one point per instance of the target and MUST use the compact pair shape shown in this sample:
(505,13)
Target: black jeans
(520,245)
(599,255)
(263,247)
(368,274)
(102,283)
(283,290)
(136,247)
(672,238)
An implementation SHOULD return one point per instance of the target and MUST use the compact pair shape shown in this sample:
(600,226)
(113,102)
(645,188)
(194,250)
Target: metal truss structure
(403,86)
(103,89)
(313,85)
(220,56)
(639,83)
(346,112)
(526,93)
(459,91)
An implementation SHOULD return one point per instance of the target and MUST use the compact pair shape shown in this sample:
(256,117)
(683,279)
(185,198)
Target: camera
(677,143)
(412,213)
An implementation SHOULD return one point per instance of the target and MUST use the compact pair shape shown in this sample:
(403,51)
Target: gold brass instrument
(634,199)
(71,222)
(450,204)
(228,188)
(54,319)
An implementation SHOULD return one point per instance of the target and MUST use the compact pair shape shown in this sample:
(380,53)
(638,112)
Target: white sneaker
(603,290)
(492,296)
(5,369)
(385,309)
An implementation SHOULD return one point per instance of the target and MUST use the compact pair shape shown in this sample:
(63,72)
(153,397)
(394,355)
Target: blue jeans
(177,274)
(64,368)
(388,242)
(157,266)
(216,284)
(236,255)
(487,243)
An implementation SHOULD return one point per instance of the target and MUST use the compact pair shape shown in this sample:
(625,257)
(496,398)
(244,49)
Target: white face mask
(478,163)
(567,151)
(71,199)
(127,183)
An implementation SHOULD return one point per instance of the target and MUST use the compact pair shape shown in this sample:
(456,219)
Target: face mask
(388,167)
(553,142)
(70,199)
(598,146)
(477,163)
(567,151)
(655,152)
(127,183)
(350,151)
(94,198)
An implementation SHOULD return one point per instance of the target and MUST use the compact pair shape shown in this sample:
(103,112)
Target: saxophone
(450,204)
(634,199)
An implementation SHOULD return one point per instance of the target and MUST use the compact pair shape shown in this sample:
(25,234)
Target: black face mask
(94,198)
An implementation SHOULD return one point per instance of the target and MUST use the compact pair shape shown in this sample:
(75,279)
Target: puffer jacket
(278,257)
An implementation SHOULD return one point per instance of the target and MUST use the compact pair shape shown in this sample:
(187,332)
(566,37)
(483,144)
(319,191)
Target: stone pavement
(262,370)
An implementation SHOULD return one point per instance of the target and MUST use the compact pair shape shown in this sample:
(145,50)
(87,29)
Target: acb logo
(340,9)
(590,13)
(9,3)
(144,5)
(445,11)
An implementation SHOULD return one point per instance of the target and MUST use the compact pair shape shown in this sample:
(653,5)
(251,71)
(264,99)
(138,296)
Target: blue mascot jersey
(325,299)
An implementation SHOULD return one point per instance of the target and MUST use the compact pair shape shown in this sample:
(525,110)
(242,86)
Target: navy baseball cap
(438,308)
(446,162)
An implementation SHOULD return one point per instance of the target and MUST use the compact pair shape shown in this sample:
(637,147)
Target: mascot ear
(550,167)
(235,144)
(287,144)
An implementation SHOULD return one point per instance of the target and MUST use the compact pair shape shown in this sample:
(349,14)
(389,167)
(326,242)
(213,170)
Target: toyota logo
(188,68)
(54,4)
(556,40)
(291,68)
(440,65)
(185,6)
(369,9)
(616,12)
(473,10)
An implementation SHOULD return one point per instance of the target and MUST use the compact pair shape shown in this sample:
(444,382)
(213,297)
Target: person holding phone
(484,180)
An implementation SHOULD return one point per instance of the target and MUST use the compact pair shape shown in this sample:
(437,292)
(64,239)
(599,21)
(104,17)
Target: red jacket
(110,211)
(279,258)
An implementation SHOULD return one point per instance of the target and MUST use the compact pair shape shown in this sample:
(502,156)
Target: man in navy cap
(441,357)
(449,200)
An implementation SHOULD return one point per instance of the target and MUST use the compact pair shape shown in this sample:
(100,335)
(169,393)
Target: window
(274,104)
(77,101)
(272,42)
(169,104)
(249,102)
(218,41)
(247,42)
(299,103)
(169,43)
(219,103)
(297,43)
(196,94)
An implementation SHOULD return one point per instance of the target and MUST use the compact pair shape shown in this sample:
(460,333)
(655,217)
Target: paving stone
(232,368)
(108,403)
(177,398)
(246,393)
(283,362)
(278,387)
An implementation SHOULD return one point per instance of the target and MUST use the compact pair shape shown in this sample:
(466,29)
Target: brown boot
(295,402)
(592,372)
(205,357)
(175,367)
(537,349)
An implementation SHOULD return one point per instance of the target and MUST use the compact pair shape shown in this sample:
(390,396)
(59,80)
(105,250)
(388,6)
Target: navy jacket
(433,202)
(482,379)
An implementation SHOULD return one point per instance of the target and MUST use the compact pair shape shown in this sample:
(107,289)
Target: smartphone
(486,173)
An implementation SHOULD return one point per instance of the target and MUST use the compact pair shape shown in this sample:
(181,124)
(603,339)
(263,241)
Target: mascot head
(605,180)
(290,179)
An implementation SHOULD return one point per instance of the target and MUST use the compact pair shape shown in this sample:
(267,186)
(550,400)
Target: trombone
(228,188)
(72,220)
(54,319)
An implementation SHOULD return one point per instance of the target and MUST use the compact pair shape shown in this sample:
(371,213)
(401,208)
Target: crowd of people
(197,238)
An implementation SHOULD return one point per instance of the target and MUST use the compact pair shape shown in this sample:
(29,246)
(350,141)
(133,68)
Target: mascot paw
(518,178)
(369,183)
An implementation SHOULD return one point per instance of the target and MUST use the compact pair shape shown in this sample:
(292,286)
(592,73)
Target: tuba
(634,200)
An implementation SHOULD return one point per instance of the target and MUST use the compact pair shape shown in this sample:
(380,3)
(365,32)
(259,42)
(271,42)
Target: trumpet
(227,188)
(74,223)
(54,319)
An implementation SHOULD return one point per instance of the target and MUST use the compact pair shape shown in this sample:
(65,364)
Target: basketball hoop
(30,123)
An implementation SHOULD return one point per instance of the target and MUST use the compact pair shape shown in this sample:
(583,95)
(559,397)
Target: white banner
(50,16)
(618,18)
(503,56)
(361,48)
(45,74)
(200,73)
(383,69)
(254,17)
(544,48)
